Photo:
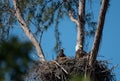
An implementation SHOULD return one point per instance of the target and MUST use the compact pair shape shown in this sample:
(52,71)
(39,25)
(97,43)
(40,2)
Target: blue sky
(110,45)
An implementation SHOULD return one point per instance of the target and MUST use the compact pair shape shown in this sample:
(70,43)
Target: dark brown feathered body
(81,54)
(61,56)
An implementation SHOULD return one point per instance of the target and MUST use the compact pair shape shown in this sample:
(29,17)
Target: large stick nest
(63,70)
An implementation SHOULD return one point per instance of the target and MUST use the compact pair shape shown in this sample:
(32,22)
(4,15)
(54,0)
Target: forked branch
(99,30)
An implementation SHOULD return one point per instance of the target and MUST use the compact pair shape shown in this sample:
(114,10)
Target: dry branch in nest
(64,69)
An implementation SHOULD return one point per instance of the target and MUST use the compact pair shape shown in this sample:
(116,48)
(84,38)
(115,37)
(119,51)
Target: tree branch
(80,28)
(72,18)
(98,34)
(60,67)
(27,31)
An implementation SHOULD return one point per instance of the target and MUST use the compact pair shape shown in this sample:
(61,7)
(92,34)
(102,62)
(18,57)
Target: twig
(57,76)
(114,67)
(72,18)
(60,67)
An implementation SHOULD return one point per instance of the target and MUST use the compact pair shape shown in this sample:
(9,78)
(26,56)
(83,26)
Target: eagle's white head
(78,47)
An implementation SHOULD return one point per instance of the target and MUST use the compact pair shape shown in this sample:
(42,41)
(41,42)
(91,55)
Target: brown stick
(27,31)
(60,67)
(98,34)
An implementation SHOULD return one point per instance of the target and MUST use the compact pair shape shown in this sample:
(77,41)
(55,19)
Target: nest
(63,70)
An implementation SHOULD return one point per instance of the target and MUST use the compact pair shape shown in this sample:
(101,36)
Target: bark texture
(80,22)
(98,34)
(80,28)
(27,31)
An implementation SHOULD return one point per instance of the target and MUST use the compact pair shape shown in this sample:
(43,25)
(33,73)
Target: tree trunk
(27,31)
(98,34)
(80,25)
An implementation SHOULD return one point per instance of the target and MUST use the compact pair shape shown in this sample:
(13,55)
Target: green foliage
(14,58)
(7,18)
(80,78)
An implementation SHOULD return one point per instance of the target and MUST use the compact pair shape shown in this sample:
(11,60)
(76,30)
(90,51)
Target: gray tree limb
(99,30)
(80,26)
(27,31)
(72,18)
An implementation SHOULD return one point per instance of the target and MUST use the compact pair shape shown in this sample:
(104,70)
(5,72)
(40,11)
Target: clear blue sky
(110,46)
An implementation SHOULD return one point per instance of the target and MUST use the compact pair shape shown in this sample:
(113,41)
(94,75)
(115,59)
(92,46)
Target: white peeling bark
(27,31)
(98,34)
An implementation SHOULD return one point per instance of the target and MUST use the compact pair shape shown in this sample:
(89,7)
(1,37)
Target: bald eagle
(82,54)
(61,56)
